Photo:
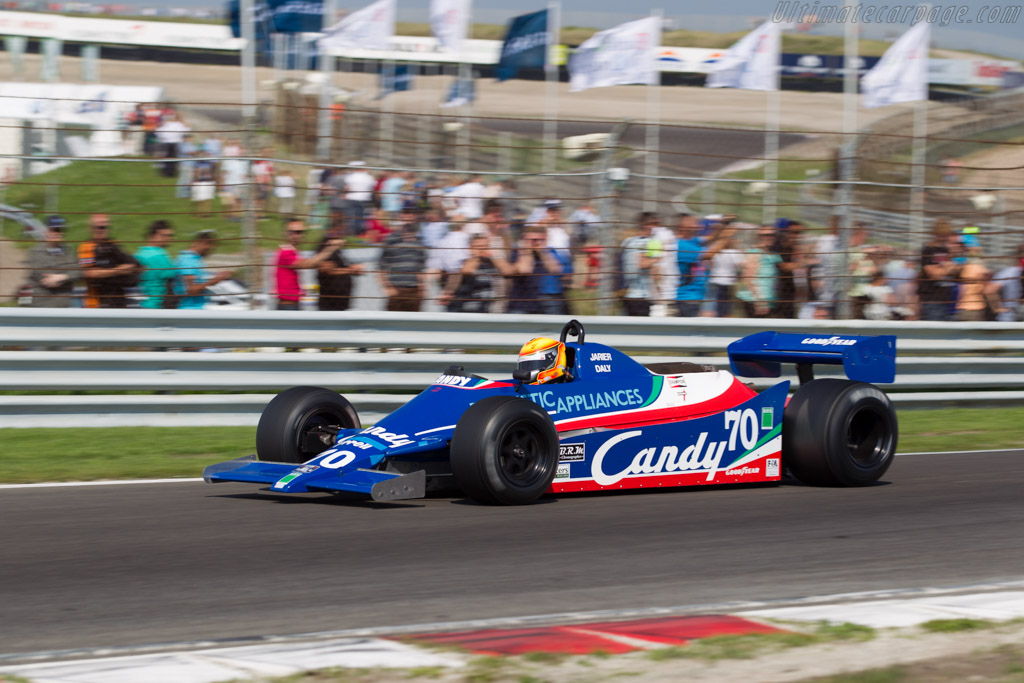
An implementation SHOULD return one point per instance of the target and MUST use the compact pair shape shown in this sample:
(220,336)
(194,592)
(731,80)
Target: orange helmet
(543,358)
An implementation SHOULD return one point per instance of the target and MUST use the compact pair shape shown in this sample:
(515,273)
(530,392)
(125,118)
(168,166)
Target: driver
(544,359)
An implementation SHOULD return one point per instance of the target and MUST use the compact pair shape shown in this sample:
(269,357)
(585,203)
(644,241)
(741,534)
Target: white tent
(98,108)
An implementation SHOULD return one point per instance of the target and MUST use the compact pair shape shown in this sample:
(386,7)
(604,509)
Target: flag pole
(462,145)
(652,160)
(247,21)
(551,87)
(326,64)
(387,121)
(277,57)
(918,156)
(464,76)
(465,132)
(773,121)
(346,69)
(421,69)
(845,171)
(917,175)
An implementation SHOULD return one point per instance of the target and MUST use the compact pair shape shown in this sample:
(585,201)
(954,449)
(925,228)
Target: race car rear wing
(864,359)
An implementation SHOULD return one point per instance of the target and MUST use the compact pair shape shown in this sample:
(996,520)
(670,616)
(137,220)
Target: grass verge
(36,455)
(730,197)
(956,625)
(750,645)
(133,194)
(960,429)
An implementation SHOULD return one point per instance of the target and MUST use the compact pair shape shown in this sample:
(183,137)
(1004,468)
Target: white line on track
(103,482)
(124,482)
(988,450)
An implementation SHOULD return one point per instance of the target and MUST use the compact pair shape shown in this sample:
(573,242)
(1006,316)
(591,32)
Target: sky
(1006,39)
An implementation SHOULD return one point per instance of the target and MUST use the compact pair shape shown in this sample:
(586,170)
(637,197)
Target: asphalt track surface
(693,149)
(88,567)
(697,149)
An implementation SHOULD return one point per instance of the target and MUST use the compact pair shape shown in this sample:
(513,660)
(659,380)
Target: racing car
(581,416)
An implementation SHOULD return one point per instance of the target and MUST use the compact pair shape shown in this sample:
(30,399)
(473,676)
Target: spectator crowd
(114,278)
(473,245)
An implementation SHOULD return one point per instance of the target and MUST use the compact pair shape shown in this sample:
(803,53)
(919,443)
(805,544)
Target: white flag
(901,75)
(619,56)
(750,64)
(370,28)
(449,22)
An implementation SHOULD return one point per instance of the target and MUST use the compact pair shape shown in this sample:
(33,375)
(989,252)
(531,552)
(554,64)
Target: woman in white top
(284,192)
(726,262)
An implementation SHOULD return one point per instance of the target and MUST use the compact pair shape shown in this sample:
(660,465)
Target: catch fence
(971,178)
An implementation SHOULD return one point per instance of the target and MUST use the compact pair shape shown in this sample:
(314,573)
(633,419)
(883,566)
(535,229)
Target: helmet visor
(539,360)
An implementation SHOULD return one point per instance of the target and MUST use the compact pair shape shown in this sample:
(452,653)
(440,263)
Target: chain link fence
(436,173)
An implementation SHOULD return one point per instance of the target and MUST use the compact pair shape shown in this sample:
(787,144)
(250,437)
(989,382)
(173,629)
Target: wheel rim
(521,455)
(317,421)
(868,437)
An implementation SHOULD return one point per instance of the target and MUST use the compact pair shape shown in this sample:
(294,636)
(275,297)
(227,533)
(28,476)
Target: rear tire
(838,432)
(504,451)
(290,426)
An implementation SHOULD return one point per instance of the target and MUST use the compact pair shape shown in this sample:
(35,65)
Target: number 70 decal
(742,423)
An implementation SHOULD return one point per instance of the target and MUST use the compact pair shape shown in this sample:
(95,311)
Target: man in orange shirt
(108,271)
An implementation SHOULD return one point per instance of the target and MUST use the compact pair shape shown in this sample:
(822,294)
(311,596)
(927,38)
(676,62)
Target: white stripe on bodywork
(768,448)
(435,429)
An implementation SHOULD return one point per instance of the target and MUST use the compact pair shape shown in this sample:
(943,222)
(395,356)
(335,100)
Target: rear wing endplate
(864,359)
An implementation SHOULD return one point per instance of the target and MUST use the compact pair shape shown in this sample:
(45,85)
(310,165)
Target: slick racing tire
(292,424)
(504,451)
(836,432)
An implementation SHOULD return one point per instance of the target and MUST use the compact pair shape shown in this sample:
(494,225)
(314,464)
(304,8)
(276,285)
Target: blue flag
(279,16)
(297,16)
(462,92)
(398,78)
(525,46)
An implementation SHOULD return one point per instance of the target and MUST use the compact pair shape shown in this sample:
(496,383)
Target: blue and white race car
(602,421)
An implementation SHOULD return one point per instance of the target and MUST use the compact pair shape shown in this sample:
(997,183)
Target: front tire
(837,432)
(504,451)
(296,422)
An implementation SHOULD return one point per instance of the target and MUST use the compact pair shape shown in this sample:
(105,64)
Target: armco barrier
(123,328)
(74,350)
(392,372)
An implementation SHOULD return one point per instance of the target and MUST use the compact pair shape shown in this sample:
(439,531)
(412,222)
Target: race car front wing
(282,478)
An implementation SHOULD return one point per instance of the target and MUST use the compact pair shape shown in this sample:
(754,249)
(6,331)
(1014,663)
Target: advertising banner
(462,92)
(279,16)
(394,78)
(369,28)
(750,64)
(619,56)
(525,45)
(449,22)
(901,75)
